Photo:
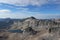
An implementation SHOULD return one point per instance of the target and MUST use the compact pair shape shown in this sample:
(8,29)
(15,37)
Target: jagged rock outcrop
(31,29)
(36,24)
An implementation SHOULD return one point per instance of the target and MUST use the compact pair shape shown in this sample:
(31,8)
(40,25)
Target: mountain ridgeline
(29,29)
(27,22)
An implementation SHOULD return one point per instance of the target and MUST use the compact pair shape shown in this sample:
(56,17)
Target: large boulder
(30,30)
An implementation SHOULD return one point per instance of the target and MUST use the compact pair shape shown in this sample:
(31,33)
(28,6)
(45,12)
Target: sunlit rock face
(36,24)
(30,29)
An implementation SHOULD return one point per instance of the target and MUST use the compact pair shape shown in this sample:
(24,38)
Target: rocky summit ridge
(30,29)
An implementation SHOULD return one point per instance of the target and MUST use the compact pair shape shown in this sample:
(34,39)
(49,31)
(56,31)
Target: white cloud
(24,2)
(54,1)
(14,15)
(29,2)
(25,15)
(9,14)
(4,11)
(47,16)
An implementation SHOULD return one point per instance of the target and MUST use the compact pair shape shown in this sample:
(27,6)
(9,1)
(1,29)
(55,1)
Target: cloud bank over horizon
(8,14)
(26,8)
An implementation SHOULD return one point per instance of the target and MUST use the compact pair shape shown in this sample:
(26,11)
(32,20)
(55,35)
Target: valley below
(29,29)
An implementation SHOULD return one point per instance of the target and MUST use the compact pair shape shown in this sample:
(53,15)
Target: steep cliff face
(31,29)
(34,23)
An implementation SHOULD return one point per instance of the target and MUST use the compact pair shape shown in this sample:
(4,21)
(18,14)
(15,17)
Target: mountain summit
(29,29)
(31,17)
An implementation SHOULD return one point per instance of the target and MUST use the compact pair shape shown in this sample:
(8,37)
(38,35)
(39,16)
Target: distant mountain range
(27,22)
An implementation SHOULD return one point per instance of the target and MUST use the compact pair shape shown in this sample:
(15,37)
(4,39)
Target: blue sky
(25,8)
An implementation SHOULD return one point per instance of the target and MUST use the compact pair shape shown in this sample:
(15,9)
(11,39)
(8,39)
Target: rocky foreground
(30,29)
